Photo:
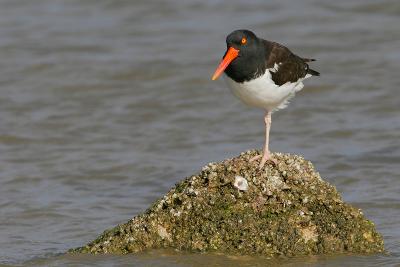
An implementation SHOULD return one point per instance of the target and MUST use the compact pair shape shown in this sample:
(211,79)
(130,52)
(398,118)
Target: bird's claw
(264,159)
(255,158)
(267,159)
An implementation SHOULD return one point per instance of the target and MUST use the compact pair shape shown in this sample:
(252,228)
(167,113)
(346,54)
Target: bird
(262,74)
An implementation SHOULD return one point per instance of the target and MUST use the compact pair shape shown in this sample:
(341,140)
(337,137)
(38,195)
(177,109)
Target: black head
(244,58)
(243,40)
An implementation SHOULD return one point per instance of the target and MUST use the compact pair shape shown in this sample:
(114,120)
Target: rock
(283,209)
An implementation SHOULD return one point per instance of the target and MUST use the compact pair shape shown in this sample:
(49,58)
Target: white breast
(263,93)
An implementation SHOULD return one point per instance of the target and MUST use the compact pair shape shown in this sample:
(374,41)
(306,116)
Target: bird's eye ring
(244,40)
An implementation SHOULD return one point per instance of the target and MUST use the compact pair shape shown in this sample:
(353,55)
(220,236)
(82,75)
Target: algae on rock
(287,209)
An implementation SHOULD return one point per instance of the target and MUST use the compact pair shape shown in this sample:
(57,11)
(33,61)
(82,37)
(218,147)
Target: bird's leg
(266,156)
(266,153)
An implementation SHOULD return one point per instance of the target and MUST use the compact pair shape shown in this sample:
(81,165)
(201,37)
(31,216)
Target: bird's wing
(285,66)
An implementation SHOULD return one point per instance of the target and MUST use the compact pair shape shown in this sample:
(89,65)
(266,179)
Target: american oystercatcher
(262,74)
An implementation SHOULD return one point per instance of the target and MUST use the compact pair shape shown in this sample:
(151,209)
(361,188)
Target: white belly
(263,92)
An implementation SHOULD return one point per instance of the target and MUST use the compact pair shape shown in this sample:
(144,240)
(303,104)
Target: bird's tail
(313,72)
(308,59)
(310,71)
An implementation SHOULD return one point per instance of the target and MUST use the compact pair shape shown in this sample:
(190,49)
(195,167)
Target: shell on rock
(241,183)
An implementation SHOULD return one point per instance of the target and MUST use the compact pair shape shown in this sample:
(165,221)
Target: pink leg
(266,153)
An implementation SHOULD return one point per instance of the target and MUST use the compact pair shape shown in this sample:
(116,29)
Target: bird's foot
(264,159)
(255,158)
(267,158)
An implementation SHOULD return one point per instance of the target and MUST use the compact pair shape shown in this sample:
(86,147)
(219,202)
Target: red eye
(244,40)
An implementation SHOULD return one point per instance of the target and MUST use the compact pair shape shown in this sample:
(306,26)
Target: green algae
(287,210)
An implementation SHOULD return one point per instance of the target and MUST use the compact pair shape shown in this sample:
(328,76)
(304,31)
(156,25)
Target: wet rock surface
(283,209)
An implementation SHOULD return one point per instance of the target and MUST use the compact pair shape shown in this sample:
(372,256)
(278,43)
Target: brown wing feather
(290,68)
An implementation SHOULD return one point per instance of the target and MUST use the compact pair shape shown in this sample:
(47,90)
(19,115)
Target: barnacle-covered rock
(236,208)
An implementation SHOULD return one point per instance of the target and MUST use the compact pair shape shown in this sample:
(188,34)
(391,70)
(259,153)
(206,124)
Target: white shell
(241,183)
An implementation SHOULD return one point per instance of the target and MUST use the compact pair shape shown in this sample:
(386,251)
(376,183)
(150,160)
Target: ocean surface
(105,105)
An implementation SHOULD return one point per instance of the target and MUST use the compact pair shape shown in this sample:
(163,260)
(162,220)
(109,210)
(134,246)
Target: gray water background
(104,105)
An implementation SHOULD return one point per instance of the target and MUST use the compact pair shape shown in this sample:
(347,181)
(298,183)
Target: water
(104,105)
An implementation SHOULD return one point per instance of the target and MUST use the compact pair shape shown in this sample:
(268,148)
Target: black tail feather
(308,59)
(313,72)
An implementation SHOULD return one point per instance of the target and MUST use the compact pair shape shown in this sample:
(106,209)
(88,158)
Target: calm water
(104,105)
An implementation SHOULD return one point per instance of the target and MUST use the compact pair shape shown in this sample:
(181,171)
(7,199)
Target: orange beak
(231,54)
